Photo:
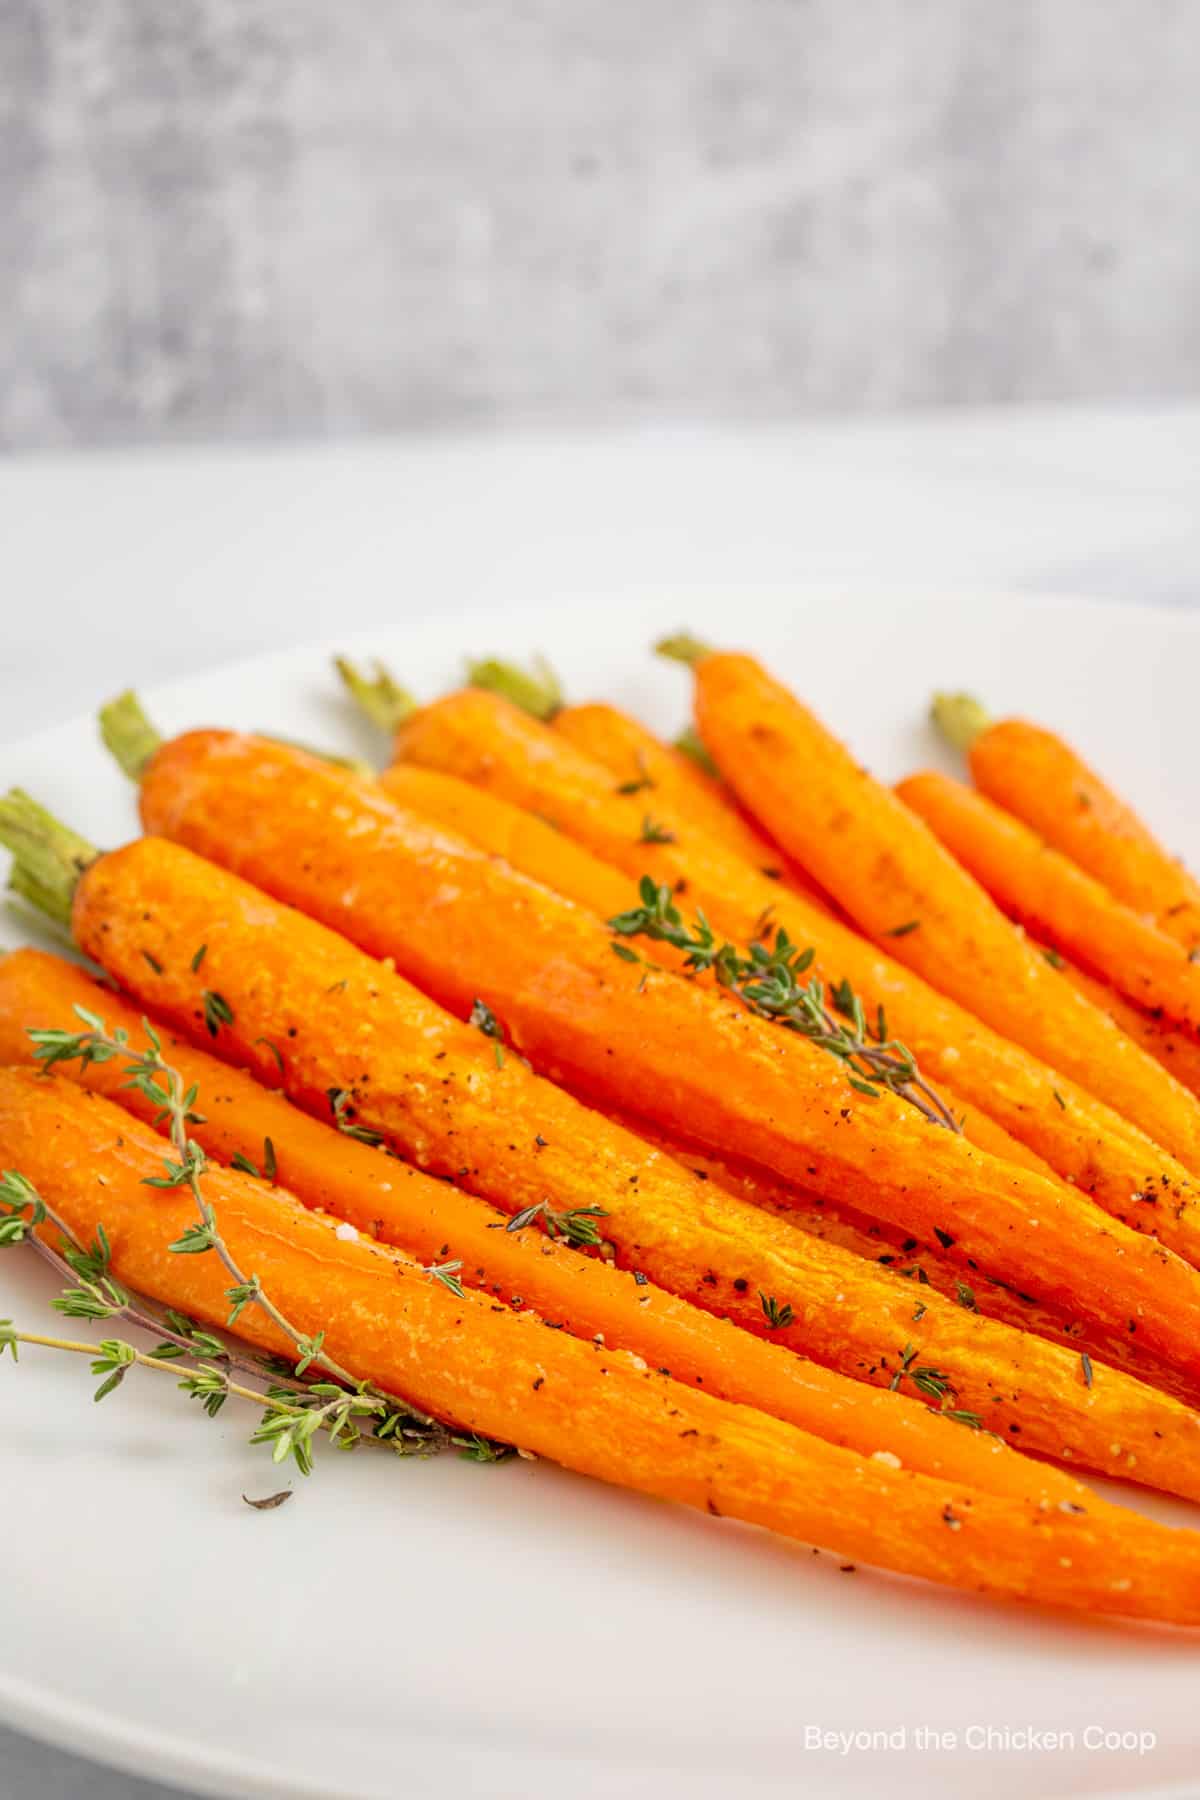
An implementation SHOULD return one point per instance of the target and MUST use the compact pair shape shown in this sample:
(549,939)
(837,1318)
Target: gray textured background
(310,217)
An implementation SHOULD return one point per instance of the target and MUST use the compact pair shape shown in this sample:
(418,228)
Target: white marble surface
(128,568)
(240,218)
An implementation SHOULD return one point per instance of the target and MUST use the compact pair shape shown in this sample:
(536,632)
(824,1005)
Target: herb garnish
(778,1317)
(654,833)
(341,1102)
(576,1227)
(643,779)
(484,1019)
(767,981)
(217,1011)
(294,1410)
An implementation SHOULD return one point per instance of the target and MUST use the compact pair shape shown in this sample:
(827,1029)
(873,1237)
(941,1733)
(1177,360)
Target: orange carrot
(463,925)
(1050,896)
(893,877)
(484,739)
(1036,776)
(536,849)
(396,1204)
(892,1249)
(660,775)
(1176,1050)
(301,1005)
(595,1410)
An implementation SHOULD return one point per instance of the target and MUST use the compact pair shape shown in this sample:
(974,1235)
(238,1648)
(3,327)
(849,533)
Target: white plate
(441,1629)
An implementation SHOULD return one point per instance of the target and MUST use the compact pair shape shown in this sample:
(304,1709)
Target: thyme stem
(767,982)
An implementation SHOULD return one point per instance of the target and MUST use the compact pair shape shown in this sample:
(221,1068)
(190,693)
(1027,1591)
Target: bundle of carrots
(710,1119)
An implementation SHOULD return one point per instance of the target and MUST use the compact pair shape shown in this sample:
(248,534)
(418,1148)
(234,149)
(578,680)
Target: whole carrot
(1035,775)
(295,1002)
(407,892)
(394,1203)
(893,877)
(480,737)
(628,1037)
(538,850)
(1052,898)
(595,1410)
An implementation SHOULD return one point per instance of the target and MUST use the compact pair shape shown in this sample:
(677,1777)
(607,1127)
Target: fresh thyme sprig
(577,1227)
(767,980)
(296,1409)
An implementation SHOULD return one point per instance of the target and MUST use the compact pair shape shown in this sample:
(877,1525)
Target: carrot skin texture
(462,925)
(893,877)
(630,752)
(399,1205)
(626,1038)
(311,1009)
(1035,775)
(1178,1051)
(536,849)
(1053,899)
(597,1411)
(482,738)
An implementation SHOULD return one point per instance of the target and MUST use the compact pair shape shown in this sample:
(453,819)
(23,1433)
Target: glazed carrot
(536,849)
(1051,897)
(599,1411)
(887,869)
(302,1005)
(894,1250)
(1033,774)
(665,776)
(462,925)
(1176,1050)
(396,1204)
(482,738)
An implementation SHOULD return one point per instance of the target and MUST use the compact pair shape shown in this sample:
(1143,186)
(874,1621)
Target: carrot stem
(960,718)
(128,734)
(379,696)
(48,857)
(683,647)
(536,690)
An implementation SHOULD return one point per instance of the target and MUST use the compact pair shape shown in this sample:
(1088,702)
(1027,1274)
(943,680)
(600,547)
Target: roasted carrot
(1176,1050)
(599,1411)
(1051,897)
(1035,775)
(660,774)
(887,869)
(449,1105)
(921,1265)
(536,849)
(343,852)
(396,1204)
(484,739)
